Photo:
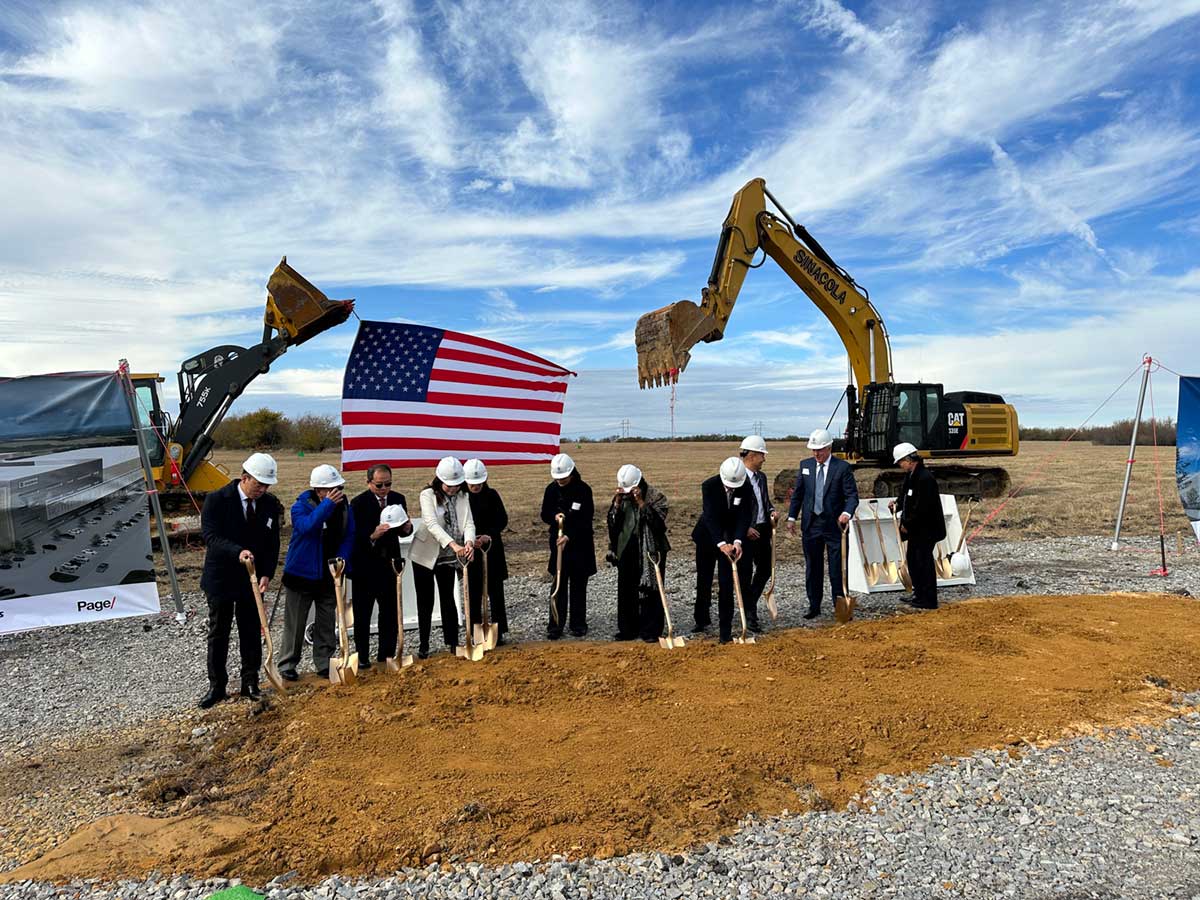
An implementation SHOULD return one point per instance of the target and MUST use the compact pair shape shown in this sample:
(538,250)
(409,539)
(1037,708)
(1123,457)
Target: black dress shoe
(422,654)
(906,600)
(726,639)
(322,673)
(289,675)
(622,637)
(755,627)
(553,634)
(579,632)
(251,691)
(812,614)
(212,698)
(699,629)
(363,665)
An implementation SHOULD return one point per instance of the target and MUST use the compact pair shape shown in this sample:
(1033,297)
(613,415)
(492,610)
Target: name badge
(910,492)
(269,520)
(576,507)
(806,471)
(737,501)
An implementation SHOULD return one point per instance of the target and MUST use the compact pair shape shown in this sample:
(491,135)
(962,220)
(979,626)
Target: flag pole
(1137,419)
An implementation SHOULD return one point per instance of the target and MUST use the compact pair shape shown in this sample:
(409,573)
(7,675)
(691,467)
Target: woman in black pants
(569,496)
(443,543)
(491,518)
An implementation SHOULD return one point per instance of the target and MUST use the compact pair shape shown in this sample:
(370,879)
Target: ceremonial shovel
(843,606)
(269,664)
(468,649)
(746,637)
(342,669)
(401,660)
(769,594)
(671,640)
(902,565)
(487,633)
(869,568)
(558,577)
(887,569)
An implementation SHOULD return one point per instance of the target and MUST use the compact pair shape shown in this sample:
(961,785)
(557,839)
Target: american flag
(412,395)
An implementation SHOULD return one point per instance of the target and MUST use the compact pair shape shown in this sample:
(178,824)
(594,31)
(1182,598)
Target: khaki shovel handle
(652,558)
(337,568)
(962,537)
(258,602)
(483,596)
(879,530)
(399,609)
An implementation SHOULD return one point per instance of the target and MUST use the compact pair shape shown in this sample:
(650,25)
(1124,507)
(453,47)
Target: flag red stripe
(362,464)
(415,443)
(503,348)
(449,399)
(499,362)
(497,381)
(381,418)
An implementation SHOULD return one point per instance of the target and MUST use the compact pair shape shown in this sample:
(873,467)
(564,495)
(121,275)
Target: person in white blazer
(443,542)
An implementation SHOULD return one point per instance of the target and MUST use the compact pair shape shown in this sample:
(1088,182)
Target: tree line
(267,429)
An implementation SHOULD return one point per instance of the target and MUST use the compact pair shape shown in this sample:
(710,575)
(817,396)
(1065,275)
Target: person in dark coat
(720,532)
(570,496)
(240,523)
(374,580)
(922,523)
(637,529)
(491,518)
(824,497)
(761,534)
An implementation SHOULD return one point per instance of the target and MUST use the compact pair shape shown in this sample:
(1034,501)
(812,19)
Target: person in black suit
(761,533)
(491,518)
(825,497)
(570,496)
(922,522)
(728,507)
(374,580)
(240,523)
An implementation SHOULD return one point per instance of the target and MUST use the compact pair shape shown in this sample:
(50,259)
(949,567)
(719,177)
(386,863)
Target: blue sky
(1016,184)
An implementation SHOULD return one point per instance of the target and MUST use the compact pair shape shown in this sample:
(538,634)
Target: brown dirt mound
(595,749)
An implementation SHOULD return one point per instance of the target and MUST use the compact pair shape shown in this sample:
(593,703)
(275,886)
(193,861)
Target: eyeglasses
(381,484)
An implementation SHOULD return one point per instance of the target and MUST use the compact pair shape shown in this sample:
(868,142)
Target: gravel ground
(1089,818)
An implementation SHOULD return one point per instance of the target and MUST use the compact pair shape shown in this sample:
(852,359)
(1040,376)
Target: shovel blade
(461,652)
(476,653)
(772,609)
(477,636)
(491,636)
(905,578)
(666,643)
(352,663)
(678,641)
(335,671)
(843,609)
(391,664)
(406,661)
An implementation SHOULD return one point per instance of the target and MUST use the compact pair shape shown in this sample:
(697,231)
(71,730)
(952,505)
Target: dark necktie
(250,517)
(382,502)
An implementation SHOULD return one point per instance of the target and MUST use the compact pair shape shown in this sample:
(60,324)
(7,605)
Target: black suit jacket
(491,518)
(921,505)
(766,492)
(722,520)
(369,562)
(226,535)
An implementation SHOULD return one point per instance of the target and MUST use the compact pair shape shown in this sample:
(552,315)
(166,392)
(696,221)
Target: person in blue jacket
(322,529)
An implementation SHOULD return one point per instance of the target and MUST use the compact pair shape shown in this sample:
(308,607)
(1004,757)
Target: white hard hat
(733,472)
(755,444)
(325,476)
(960,563)
(628,477)
(475,471)
(261,468)
(393,516)
(561,466)
(819,439)
(902,450)
(450,471)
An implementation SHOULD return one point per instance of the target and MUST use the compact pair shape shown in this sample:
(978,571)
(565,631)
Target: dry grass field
(1062,490)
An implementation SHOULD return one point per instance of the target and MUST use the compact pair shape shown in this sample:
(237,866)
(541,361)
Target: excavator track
(964,482)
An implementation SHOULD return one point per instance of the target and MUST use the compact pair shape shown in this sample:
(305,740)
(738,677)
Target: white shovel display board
(862,524)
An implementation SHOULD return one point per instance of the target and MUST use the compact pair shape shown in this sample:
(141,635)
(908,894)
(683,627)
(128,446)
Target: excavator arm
(211,381)
(665,336)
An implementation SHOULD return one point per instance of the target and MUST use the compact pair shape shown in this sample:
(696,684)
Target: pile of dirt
(594,749)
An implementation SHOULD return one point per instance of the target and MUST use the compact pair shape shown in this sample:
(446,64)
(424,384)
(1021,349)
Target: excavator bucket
(664,337)
(295,307)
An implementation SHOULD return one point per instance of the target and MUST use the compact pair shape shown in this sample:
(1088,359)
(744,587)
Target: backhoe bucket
(295,307)
(664,337)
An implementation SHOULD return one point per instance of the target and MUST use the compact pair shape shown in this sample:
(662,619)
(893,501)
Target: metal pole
(152,492)
(1137,420)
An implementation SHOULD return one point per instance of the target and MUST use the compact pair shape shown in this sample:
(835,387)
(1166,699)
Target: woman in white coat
(443,542)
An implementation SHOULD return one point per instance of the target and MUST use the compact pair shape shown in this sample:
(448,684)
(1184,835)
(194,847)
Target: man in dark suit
(240,523)
(374,580)
(728,507)
(761,533)
(825,497)
(922,522)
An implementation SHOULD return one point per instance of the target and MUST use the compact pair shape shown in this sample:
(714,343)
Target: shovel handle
(879,530)
(962,537)
(653,558)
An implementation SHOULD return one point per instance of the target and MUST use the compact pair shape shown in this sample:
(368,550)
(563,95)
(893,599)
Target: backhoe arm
(665,337)
(210,381)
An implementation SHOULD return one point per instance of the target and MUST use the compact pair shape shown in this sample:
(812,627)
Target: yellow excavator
(209,383)
(880,411)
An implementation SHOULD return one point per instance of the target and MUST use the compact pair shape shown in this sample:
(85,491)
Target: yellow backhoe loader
(881,412)
(210,382)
